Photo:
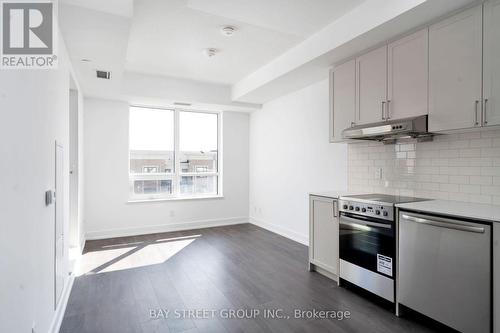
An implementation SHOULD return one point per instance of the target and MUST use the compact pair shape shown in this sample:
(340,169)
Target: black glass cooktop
(378,198)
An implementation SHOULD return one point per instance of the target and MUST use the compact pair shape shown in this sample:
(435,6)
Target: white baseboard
(61,309)
(285,232)
(102,234)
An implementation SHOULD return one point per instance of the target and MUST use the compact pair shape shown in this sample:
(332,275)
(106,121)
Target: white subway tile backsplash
(481,180)
(470,152)
(463,167)
(449,187)
(480,143)
(490,152)
(491,134)
(472,189)
(468,136)
(458,179)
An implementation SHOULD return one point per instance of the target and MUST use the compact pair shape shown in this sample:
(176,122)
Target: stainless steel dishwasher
(445,270)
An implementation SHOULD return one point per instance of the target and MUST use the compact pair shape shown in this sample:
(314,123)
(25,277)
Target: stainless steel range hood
(391,130)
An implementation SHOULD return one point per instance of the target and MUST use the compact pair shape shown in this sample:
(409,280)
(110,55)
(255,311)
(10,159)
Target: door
(445,270)
(408,79)
(491,74)
(324,233)
(73,170)
(59,226)
(343,94)
(371,84)
(455,65)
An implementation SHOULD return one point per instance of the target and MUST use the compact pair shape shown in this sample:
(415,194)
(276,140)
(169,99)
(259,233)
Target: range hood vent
(391,130)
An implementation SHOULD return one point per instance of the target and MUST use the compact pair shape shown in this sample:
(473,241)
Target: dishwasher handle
(442,223)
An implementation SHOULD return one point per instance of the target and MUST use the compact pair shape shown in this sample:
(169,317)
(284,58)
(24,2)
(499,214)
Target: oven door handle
(353,222)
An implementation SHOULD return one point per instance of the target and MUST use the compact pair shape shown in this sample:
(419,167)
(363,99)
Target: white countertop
(456,209)
(333,194)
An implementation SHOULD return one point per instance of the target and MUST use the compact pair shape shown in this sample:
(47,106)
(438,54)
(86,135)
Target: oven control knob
(386,213)
(363,210)
(351,207)
(377,212)
(357,209)
(344,206)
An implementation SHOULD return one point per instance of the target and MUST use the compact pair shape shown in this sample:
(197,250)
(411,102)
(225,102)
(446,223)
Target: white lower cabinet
(323,236)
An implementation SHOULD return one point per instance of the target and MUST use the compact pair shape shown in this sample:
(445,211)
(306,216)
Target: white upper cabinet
(455,65)
(491,76)
(371,86)
(343,99)
(408,76)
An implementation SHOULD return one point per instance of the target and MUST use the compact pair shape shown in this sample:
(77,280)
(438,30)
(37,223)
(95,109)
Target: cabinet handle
(388,112)
(383,106)
(485,109)
(475,114)
(335,210)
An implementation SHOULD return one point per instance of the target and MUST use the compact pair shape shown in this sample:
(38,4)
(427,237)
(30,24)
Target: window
(173,153)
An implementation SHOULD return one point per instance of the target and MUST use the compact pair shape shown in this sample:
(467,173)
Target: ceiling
(167,37)
(154,48)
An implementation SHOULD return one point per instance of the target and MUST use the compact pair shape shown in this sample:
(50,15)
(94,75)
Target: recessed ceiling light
(210,52)
(228,30)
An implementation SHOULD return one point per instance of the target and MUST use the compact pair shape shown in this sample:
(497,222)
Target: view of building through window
(162,167)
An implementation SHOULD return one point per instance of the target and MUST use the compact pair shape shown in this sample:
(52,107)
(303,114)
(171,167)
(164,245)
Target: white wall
(34,110)
(290,156)
(107,212)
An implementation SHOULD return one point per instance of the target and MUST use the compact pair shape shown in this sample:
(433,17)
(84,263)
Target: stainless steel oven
(367,250)
(367,242)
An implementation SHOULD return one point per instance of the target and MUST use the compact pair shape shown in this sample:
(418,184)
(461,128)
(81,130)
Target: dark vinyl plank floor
(123,281)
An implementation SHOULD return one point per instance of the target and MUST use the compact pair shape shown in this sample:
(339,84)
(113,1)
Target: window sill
(132,201)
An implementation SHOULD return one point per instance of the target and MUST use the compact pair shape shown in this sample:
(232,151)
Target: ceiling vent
(103,74)
(228,30)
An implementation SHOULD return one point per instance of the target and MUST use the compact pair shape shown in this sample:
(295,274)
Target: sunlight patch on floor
(131,255)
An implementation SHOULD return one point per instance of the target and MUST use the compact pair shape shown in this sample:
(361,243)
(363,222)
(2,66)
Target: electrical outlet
(378,173)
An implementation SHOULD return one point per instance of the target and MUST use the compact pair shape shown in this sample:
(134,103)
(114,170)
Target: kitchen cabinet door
(371,85)
(491,56)
(323,233)
(343,99)
(455,65)
(408,78)
(496,277)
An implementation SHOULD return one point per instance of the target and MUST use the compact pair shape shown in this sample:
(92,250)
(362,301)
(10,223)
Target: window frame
(177,173)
